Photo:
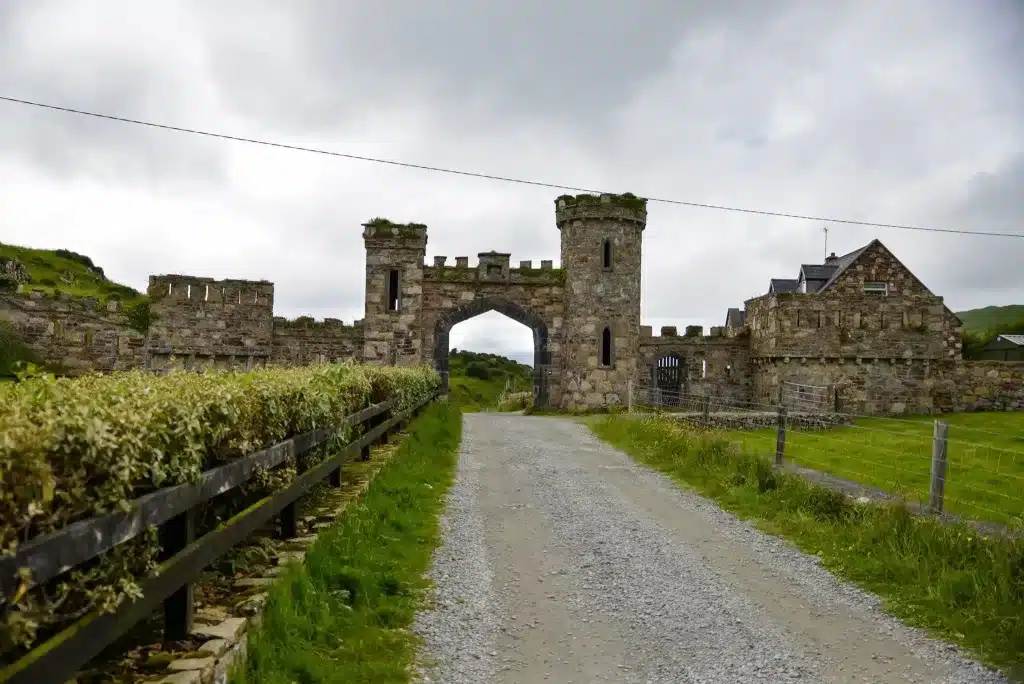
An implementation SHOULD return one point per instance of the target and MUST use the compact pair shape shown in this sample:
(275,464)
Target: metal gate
(668,379)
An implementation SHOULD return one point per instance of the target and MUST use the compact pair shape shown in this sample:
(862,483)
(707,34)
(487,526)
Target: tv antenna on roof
(825,230)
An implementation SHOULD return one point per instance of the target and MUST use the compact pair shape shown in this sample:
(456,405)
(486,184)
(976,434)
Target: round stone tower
(601,240)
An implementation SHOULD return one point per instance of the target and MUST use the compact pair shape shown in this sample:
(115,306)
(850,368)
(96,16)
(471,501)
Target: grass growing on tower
(344,616)
(945,578)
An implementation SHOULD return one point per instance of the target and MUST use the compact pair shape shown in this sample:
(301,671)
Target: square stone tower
(601,241)
(393,326)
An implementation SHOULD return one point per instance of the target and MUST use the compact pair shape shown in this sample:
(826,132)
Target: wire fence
(959,465)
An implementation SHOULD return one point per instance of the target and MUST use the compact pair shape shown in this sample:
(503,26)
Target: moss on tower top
(627,200)
(386,223)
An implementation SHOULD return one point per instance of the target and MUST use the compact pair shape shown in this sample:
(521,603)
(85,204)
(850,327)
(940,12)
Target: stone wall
(305,341)
(203,322)
(77,335)
(844,322)
(725,351)
(890,386)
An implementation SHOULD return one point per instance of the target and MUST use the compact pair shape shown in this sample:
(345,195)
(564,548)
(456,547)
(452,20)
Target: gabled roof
(783,285)
(735,318)
(844,262)
(817,271)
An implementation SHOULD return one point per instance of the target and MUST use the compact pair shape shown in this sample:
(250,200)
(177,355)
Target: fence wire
(977,472)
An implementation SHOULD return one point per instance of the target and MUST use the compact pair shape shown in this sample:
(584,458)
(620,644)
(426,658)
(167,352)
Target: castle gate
(411,307)
(541,356)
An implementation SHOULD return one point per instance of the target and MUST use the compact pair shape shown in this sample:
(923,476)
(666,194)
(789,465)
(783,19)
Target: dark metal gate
(668,379)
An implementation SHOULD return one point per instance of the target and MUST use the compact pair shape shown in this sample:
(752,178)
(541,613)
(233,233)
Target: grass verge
(344,615)
(944,578)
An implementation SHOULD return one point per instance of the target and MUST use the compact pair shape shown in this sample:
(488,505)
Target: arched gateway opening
(541,356)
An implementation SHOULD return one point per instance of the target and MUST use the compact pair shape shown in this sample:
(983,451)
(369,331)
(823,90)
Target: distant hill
(981,326)
(58,270)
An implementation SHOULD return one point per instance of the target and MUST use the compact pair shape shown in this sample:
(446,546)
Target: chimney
(831,259)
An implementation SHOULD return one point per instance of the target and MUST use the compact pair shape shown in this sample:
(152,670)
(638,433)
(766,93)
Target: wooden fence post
(937,492)
(780,437)
(705,410)
(175,535)
(290,513)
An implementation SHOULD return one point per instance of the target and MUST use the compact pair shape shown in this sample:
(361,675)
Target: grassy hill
(992,318)
(982,325)
(60,270)
(56,271)
(476,381)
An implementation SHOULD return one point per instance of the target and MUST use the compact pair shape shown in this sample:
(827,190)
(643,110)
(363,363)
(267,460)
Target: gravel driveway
(564,561)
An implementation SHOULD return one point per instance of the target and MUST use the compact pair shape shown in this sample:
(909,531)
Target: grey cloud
(106,81)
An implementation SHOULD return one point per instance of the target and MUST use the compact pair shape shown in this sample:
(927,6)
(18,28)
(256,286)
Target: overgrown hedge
(74,448)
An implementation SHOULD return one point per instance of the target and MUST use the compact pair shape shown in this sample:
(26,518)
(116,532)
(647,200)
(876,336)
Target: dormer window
(876,289)
(606,255)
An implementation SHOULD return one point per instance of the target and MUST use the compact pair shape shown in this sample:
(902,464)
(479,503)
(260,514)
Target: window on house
(393,290)
(704,368)
(876,288)
(606,255)
(606,347)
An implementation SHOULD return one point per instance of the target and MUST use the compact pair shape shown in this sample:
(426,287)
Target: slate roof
(735,318)
(784,285)
(819,276)
(1013,339)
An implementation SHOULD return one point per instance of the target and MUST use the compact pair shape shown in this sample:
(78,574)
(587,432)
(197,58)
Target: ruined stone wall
(394,337)
(305,341)
(78,335)
(726,377)
(203,322)
(597,297)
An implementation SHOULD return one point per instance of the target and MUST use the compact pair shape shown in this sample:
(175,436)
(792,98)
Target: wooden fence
(184,556)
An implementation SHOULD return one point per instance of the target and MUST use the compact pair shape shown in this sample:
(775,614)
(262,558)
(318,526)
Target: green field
(985,478)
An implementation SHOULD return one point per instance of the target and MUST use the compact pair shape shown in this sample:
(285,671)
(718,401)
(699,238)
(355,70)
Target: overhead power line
(506,179)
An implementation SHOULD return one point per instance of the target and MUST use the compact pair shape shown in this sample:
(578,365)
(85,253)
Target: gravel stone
(563,560)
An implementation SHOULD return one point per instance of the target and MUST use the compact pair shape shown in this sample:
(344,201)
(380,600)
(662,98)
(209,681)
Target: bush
(478,370)
(76,448)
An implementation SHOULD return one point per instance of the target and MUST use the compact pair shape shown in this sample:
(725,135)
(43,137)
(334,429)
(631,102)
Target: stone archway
(541,356)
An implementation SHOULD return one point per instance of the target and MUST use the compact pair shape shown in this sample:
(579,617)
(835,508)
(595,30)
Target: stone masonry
(860,330)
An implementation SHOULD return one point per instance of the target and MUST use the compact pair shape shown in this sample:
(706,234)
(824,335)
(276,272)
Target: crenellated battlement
(381,233)
(493,267)
(693,334)
(327,325)
(185,289)
(625,207)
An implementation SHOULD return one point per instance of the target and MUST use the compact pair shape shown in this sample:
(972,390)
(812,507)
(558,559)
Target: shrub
(478,370)
(75,448)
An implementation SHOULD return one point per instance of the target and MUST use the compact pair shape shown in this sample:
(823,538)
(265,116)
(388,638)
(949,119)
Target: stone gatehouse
(860,331)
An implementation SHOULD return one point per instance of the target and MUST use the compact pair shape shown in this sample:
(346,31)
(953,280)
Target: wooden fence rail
(184,556)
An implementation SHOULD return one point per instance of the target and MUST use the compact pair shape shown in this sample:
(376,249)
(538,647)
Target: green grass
(45,268)
(944,578)
(344,616)
(474,394)
(985,476)
(991,317)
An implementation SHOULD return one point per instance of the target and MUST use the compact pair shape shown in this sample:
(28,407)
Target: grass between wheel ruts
(945,578)
(344,615)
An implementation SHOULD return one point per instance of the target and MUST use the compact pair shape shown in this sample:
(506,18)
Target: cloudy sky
(907,112)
